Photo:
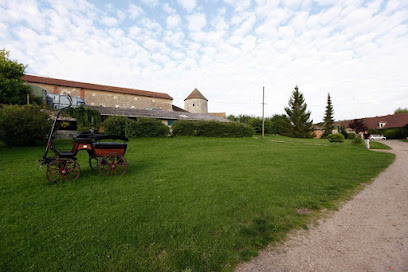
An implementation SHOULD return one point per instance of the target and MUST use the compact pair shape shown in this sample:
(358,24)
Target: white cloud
(346,48)
(109,21)
(239,5)
(167,8)
(135,11)
(189,5)
(196,21)
(173,21)
(152,3)
(246,26)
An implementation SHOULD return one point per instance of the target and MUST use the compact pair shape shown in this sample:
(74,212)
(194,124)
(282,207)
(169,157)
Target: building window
(169,122)
(381,124)
(193,105)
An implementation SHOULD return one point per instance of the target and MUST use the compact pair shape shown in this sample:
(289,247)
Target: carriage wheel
(112,164)
(63,169)
(93,163)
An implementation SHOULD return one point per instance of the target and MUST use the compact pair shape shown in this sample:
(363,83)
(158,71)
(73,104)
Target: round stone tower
(196,102)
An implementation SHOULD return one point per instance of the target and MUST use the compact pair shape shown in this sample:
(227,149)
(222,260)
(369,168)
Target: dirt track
(368,233)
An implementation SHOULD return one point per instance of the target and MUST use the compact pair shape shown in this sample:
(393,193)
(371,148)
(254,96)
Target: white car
(375,137)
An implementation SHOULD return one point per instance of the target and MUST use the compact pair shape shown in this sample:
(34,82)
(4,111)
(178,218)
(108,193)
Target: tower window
(193,105)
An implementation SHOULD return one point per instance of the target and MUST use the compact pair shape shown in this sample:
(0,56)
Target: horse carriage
(106,157)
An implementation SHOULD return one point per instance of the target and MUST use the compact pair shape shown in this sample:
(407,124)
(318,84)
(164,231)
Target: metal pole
(263,110)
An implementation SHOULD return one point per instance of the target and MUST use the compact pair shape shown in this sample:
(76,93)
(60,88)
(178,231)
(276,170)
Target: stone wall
(128,101)
(196,105)
(110,99)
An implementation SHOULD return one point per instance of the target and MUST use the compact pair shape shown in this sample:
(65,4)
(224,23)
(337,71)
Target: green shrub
(351,136)
(256,123)
(143,127)
(116,125)
(344,133)
(211,129)
(391,133)
(146,127)
(357,140)
(336,138)
(86,117)
(184,128)
(23,125)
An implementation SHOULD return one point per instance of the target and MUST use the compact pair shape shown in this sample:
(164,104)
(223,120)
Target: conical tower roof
(195,94)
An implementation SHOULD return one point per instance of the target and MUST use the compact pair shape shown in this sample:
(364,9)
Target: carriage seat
(65,154)
(110,145)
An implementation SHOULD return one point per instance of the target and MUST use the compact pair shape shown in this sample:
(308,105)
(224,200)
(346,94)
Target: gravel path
(368,233)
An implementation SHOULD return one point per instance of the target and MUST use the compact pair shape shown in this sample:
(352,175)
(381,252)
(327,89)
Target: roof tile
(158,114)
(195,94)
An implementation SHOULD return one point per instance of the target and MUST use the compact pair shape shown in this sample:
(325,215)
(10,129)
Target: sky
(353,49)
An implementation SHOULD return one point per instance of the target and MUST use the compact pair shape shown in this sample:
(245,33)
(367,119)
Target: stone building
(196,102)
(105,96)
(133,103)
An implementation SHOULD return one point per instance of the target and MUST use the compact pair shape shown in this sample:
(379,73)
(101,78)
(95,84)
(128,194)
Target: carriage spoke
(62,169)
(112,164)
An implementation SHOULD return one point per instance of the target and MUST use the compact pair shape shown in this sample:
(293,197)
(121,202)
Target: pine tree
(328,118)
(298,124)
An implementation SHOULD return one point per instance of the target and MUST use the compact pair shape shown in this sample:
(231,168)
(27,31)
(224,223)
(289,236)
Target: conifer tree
(328,118)
(298,124)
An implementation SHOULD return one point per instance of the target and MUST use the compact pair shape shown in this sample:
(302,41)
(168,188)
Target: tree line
(295,123)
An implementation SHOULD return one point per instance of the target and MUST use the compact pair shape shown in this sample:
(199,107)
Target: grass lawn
(199,204)
(378,145)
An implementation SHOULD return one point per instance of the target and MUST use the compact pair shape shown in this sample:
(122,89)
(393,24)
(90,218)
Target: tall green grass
(202,204)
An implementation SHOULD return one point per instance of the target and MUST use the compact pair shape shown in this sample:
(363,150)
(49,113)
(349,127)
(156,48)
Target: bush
(344,133)
(357,140)
(184,128)
(146,127)
(391,133)
(211,129)
(116,125)
(23,125)
(86,117)
(351,136)
(336,138)
(256,123)
(143,127)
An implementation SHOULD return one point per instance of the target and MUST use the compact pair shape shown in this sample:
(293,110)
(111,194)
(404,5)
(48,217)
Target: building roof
(219,114)
(158,114)
(195,94)
(90,86)
(391,121)
(175,108)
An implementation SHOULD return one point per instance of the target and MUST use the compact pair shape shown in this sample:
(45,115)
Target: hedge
(336,138)
(115,125)
(23,125)
(143,127)
(351,136)
(146,127)
(86,117)
(211,129)
(392,133)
